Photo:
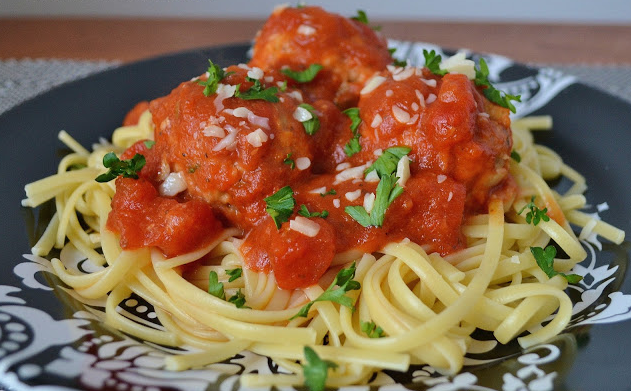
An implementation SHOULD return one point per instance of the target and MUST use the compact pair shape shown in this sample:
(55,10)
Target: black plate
(46,338)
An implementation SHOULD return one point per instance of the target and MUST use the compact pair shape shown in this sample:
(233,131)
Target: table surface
(129,39)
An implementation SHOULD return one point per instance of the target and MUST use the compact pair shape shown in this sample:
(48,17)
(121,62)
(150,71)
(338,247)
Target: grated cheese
(441,178)
(301,114)
(319,190)
(403,170)
(371,84)
(256,138)
(458,63)
(255,73)
(409,71)
(401,115)
(304,29)
(353,195)
(305,226)
(372,177)
(376,121)
(214,131)
(302,163)
(336,202)
(172,185)
(369,201)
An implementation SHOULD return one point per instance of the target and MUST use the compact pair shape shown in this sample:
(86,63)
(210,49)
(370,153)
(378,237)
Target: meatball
(350,51)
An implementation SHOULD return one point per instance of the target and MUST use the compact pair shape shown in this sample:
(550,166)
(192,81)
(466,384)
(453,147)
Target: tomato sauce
(230,153)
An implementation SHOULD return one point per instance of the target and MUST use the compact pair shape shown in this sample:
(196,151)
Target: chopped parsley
(215,287)
(303,76)
(344,282)
(149,144)
(330,192)
(303,211)
(545,260)
(289,161)
(363,18)
(127,168)
(515,156)
(234,273)
(386,164)
(215,75)
(387,191)
(400,63)
(316,370)
(494,95)
(535,215)
(280,205)
(353,146)
(432,62)
(311,125)
(256,91)
(238,299)
(372,330)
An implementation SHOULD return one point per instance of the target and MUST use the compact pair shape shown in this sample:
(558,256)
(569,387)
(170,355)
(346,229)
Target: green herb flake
(387,191)
(256,91)
(361,17)
(545,260)
(234,273)
(289,161)
(353,146)
(315,371)
(280,205)
(215,75)
(535,215)
(432,62)
(215,287)
(344,282)
(372,330)
(515,156)
(149,144)
(494,95)
(400,63)
(386,164)
(311,125)
(330,192)
(238,299)
(127,168)
(303,76)
(303,211)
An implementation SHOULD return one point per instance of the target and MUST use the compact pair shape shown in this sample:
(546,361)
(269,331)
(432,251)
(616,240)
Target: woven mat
(23,79)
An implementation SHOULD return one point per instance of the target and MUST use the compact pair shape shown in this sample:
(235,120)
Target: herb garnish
(238,299)
(256,91)
(303,76)
(234,273)
(545,260)
(535,215)
(149,144)
(432,62)
(280,205)
(363,18)
(215,75)
(372,330)
(315,371)
(289,161)
(386,164)
(303,211)
(330,192)
(344,281)
(494,95)
(215,287)
(387,191)
(311,125)
(515,156)
(127,168)
(353,146)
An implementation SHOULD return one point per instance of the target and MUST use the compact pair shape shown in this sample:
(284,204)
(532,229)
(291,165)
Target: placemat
(24,79)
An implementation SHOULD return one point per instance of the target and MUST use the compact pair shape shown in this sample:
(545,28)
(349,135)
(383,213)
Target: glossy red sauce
(460,145)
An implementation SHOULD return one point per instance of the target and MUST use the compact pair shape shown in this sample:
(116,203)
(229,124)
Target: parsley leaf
(280,205)
(353,146)
(289,161)
(238,299)
(387,191)
(303,76)
(386,164)
(545,260)
(303,211)
(515,156)
(315,371)
(215,287)
(400,63)
(432,62)
(535,215)
(215,75)
(361,17)
(234,273)
(257,92)
(494,95)
(127,168)
(372,330)
(330,192)
(149,144)
(344,281)
(311,125)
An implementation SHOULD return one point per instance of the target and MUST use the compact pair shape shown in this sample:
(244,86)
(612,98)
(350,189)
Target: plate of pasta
(324,209)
